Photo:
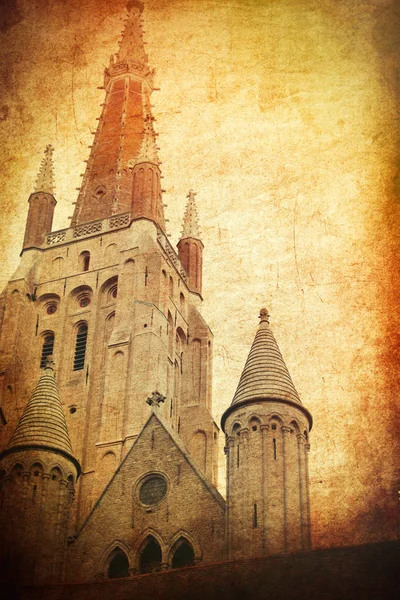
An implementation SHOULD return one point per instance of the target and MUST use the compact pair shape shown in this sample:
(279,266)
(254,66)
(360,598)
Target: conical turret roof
(265,375)
(148,149)
(191,219)
(45,179)
(43,421)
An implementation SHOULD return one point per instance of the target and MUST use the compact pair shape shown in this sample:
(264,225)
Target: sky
(283,116)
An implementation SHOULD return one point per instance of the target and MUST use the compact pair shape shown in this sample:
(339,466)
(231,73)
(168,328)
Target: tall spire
(125,132)
(191,219)
(265,375)
(131,47)
(43,423)
(45,179)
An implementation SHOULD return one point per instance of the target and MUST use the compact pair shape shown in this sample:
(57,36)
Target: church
(108,445)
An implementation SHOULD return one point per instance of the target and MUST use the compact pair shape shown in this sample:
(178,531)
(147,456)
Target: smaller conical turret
(43,424)
(45,178)
(40,472)
(146,194)
(265,374)
(190,246)
(41,204)
(267,431)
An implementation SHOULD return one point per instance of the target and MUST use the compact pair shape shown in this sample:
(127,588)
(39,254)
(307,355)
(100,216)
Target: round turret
(267,442)
(38,473)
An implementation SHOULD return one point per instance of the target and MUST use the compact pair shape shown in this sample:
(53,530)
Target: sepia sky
(283,116)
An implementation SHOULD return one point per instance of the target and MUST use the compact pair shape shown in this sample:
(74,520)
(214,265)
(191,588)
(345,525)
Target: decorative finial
(45,178)
(135,4)
(191,219)
(155,399)
(131,46)
(264,316)
(49,362)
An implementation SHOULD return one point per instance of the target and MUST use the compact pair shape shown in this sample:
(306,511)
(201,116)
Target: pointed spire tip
(264,316)
(135,4)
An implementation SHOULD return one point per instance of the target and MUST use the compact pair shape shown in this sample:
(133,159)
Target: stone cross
(155,399)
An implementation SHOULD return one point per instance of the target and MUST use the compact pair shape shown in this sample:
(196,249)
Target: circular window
(153,490)
(84,302)
(51,309)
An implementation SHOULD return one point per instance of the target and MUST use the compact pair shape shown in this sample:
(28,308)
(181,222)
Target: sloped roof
(265,374)
(43,421)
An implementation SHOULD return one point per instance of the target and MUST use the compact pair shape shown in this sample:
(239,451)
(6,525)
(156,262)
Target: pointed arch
(177,539)
(140,543)
(112,549)
(150,553)
(118,566)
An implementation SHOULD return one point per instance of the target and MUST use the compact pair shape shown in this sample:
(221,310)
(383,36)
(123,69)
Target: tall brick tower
(267,442)
(109,298)
(41,204)
(190,246)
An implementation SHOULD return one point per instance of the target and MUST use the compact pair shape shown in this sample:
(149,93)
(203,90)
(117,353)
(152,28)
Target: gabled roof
(155,416)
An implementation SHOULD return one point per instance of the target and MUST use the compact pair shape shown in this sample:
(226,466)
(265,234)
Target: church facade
(108,446)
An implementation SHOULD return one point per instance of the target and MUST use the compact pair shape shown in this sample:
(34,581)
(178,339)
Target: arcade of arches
(150,558)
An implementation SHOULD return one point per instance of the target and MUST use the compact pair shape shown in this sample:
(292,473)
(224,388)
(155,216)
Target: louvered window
(47,349)
(80,347)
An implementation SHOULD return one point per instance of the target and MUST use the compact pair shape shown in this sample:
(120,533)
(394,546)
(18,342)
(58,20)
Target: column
(285,431)
(264,490)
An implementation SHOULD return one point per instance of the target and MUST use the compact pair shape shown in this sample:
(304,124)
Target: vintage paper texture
(283,116)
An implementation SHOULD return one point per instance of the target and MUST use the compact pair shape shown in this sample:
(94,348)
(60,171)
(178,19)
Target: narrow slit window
(255,517)
(274,445)
(238,457)
(80,347)
(85,258)
(47,349)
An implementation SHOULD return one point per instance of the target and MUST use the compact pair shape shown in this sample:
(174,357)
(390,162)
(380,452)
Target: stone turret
(190,246)
(41,204)
(38,473)
(267,432)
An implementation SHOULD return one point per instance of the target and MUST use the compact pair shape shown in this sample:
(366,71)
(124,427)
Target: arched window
(183,555)
(150,556)
(85,261)
(182,302)
(119,565)
(80,347)
(171,288)
(47,348)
